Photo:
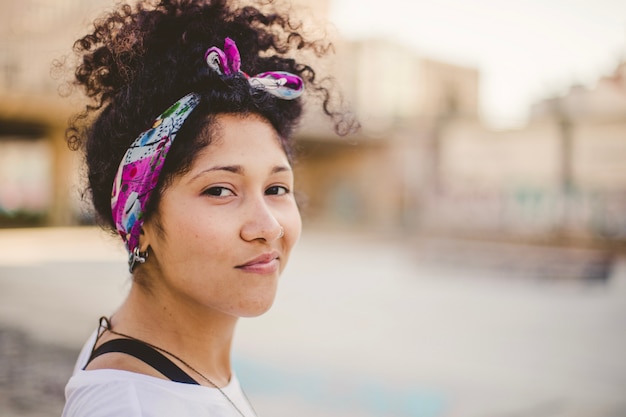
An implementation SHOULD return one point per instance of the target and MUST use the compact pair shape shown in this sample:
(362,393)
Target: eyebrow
(238,169)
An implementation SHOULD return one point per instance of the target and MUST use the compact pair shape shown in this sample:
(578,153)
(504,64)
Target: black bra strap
(146,354)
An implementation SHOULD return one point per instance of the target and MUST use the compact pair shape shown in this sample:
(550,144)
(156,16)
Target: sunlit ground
(362,326)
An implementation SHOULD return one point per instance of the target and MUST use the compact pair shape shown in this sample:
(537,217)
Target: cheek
(193,231)
(205,231)
(293,227)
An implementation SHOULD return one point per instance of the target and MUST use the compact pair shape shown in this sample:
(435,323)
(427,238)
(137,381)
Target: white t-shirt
(115,393)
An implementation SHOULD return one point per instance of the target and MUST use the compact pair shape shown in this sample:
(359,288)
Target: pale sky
(525,49)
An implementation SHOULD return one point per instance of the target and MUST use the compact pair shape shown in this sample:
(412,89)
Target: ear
(146,236)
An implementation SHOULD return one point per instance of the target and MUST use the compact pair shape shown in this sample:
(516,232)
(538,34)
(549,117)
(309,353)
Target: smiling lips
(266,263)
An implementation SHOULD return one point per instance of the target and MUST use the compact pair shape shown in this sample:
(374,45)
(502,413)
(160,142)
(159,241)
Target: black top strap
(144,353)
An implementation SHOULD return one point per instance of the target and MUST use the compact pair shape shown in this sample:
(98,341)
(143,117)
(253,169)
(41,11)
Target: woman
(203,199)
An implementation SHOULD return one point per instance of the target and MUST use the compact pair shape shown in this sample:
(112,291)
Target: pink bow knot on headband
(138,173)
(281,84)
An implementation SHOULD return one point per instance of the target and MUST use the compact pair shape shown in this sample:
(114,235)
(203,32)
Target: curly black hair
(140,59)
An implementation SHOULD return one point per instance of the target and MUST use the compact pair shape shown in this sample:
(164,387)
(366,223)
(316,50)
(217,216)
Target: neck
(200,336)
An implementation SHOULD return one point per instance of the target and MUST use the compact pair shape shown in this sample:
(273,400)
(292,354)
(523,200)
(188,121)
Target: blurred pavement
(362,326)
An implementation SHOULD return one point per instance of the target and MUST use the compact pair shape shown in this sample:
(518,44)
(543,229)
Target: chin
(255,308)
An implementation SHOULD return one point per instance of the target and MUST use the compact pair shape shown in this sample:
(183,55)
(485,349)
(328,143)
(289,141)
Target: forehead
(237,137)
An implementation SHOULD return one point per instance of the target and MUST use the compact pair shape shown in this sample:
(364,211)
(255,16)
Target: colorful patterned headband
(139,170)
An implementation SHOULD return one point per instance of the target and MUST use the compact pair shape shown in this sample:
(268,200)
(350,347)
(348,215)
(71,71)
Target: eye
(218,192)
(277,190)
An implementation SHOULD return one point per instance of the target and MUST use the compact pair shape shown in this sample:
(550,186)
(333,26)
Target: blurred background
(463,254)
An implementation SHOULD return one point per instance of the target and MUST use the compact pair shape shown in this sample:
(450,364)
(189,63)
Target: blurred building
(378,178)
(37,172)
(559,178)
(424,161)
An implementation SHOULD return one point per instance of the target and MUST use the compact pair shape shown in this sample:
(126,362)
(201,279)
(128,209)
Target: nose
(260,223)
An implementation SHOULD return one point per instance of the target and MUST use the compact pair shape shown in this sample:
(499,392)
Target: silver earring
(136,257)
(282,232)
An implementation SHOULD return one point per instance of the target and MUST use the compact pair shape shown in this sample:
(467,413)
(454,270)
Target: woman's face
(228,224)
